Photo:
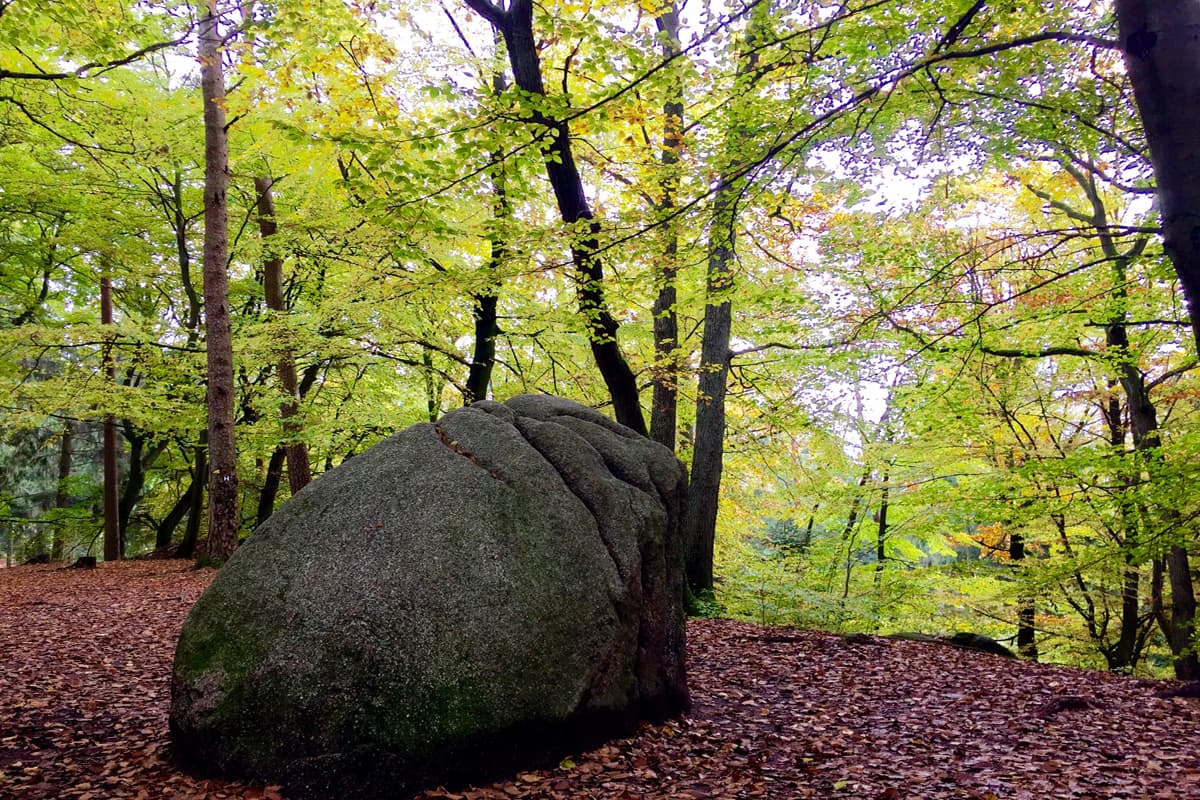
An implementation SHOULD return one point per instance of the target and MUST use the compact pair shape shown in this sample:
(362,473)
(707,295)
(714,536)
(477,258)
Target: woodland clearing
(85,659)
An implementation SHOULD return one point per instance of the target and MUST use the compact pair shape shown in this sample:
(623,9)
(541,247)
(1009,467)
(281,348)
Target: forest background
(890,277)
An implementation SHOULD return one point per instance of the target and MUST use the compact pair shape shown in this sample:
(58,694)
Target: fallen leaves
(85,660)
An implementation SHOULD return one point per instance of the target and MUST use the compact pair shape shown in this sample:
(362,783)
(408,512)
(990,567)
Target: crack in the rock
(445,439)
(592,511)
(613,465)
(618,596)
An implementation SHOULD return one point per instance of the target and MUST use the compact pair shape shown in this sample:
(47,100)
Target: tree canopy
(906,284)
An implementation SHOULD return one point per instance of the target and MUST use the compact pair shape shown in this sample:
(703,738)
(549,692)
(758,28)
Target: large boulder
(458,602)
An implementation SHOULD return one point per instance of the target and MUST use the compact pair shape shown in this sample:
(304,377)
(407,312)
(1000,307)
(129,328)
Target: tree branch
(489,11)
(99,66)
(1043,353)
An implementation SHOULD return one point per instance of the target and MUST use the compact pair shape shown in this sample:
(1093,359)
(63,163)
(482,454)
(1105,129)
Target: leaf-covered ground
(85,657)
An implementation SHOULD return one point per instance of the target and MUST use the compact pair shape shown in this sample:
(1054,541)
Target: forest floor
(85,661)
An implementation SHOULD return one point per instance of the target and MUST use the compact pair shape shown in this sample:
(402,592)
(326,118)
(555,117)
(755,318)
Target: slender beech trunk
(62,498)
(483,311)
(1163,61)
(665,377)
(1177,625)
(112,488)
(270,487)
(1143,419)
(881,532)
(433,387)
(709,449)
(848,535)
(299,470)
(1124,653)
(700,523)
(183,256)
(1183,615)
(295,449)
(223,515)
(516,26)
(61,495)
(806,542)
(483,356)
(191,534)
(1144,424)
(135,480)
(1026,631)
(165,531)
(1162,56)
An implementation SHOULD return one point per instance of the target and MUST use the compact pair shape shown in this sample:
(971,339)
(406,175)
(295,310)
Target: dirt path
(85,658)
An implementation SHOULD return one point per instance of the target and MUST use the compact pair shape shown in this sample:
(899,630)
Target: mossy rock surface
(461,601)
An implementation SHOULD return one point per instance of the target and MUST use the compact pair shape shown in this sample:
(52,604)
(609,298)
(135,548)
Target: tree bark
(881,531)
(708,452)
(1161,40)
(1026,631)
(433,387)
(1143,419)
(191,534)
(270,487)
(165,531)
(223,515)
(1144,425)
(516,26)
(848,535)
(665,377)
(1183,615)
(62,498)
(700,524)
(112,480)
(135,480)
(299,470)
(483,311)
(183,256)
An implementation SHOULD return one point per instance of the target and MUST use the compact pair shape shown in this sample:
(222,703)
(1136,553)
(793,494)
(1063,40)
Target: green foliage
(933,254)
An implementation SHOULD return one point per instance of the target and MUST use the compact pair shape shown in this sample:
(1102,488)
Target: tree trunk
(299,471)
(183,256)
(1144,424)
(848,535)
(1026,631)
(165,531)
(191,534)
(1161,40)
(483,356)
(1163,61)
(665,376)
(62,498)
(483,311)
(881,530)
(433,389)
(1125,654)
(1183,615)
(223,515)
(112,480)
(139,463)
(516,26)
(709,449)
(135,480)
(700,524)
(270,487)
